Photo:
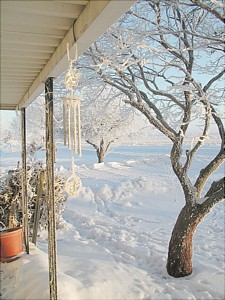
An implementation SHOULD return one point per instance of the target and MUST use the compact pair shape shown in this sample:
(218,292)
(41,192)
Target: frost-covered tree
(167,59)
(106,120)
(5,138)
(35,119)
(35,126)
(12,140)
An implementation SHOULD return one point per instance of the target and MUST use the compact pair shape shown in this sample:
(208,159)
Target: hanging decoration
(71,122)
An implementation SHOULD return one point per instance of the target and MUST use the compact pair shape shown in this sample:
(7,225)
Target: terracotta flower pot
(10,243)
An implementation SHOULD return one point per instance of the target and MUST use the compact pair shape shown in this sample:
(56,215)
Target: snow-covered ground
(116,233)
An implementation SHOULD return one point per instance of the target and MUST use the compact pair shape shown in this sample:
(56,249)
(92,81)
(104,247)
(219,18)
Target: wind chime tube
(74,127)
(75,52)
(73,161)
(64,121)
(68,51)
(79,128)
(69,131)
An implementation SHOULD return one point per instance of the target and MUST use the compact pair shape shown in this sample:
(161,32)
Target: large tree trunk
(179,263)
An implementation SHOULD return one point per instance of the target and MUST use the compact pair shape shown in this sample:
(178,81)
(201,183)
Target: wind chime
(71,122)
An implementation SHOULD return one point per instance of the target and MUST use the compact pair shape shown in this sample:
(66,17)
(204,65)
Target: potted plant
(11,244)
(11,207)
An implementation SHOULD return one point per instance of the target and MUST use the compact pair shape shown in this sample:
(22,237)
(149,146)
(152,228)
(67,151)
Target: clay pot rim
(8,230)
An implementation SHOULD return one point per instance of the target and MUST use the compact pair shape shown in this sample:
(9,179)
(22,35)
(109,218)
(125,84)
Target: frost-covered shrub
(11,195)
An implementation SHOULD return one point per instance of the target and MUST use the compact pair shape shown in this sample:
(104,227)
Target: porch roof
(34,35)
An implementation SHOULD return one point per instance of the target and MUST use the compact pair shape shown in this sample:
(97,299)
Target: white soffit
(34,36)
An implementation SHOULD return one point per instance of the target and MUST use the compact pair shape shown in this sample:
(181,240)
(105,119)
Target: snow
(114,237)
(201,200)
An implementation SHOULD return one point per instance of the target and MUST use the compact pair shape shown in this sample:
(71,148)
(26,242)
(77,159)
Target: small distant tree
(7,136)
(106,120)
(167,59)
(11,137)
(35,127)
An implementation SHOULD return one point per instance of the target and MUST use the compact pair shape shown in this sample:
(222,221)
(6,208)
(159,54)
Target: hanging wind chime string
(71,122)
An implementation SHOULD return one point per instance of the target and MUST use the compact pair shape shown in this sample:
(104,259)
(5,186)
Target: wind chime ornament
(71,122)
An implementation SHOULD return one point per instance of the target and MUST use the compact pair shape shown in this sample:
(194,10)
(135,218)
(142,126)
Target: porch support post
(50,189)
(24,181)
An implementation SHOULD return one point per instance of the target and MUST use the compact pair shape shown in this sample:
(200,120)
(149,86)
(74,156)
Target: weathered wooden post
(24,180)
(38,206)
(50,189)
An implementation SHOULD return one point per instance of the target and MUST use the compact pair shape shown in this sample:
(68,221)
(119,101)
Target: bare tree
(106,120)
(166,58)
(35,119)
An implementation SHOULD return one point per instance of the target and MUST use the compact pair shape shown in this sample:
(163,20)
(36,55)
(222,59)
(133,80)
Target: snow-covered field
(116,233)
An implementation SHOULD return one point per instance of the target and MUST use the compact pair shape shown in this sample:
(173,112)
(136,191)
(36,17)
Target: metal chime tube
(64,122)
(69,126)
(50,189)
(79,129)
(74,128)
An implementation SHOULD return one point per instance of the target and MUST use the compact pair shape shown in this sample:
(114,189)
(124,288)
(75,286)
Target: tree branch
(95,146)
(170,134)
(216,191)
(158,92)
(215,194)
(200,141)
(212,80)
(208,170)
(206,7)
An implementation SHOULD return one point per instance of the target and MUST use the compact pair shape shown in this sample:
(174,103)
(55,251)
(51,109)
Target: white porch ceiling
(34,35)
